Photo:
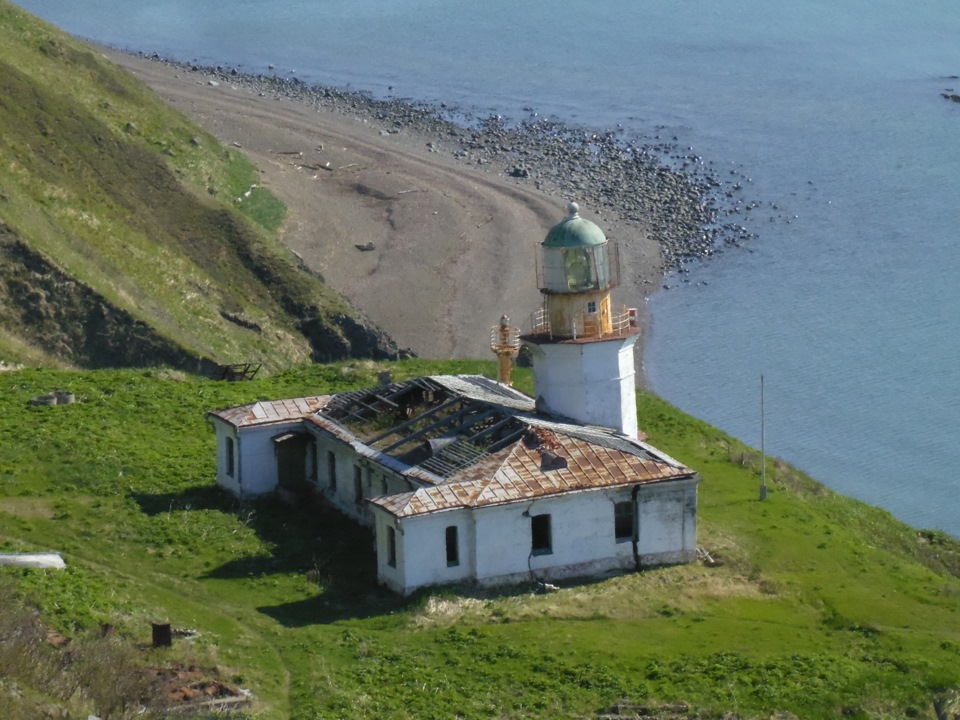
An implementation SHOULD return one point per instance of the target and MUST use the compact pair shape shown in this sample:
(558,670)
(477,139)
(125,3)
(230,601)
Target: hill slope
(128,236)
(818,605)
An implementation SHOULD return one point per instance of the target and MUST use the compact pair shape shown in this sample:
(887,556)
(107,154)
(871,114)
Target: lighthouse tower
(582,349)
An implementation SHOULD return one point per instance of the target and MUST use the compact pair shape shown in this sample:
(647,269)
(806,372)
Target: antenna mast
(763,452)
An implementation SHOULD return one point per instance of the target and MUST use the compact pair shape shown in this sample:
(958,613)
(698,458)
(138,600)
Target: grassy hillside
(818,606)
(129,237)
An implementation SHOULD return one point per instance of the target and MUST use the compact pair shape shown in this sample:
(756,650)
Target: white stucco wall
(496,542)
(667,527)
(255,461)
(391,576)
(341,495)
(583,538)
(422,550)
(373,477)
(223,431)
(591,382)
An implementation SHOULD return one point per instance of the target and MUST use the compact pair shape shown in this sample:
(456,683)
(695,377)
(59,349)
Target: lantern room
(576,269)
(575,257)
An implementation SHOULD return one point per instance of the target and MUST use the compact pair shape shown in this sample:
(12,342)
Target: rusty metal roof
(483,389)
(522,473)
(468,441)
(271,411)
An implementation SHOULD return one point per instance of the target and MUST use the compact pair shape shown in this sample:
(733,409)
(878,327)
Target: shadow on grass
(198,498)
(311,539)
(308,538)
(334,552)
(333,605)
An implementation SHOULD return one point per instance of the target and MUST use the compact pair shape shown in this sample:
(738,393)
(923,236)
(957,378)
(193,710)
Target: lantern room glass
(575,269)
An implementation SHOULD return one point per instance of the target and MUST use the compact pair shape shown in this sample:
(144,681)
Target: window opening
(540,535)
(357,485)
(592,307)
(229,457)
(391,547)
(453,546)
(332,470)
(623,516)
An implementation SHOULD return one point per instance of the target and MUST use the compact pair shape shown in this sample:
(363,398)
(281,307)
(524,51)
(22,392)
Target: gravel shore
(429,225)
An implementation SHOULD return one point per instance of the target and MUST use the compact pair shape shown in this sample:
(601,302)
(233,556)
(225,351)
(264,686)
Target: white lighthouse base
(591,381)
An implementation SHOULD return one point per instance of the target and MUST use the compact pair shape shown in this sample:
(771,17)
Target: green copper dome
(574,231)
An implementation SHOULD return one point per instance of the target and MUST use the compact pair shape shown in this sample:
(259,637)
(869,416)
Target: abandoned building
(463,478)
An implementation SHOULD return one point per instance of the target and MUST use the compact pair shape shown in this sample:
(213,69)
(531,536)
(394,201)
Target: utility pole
(763,452)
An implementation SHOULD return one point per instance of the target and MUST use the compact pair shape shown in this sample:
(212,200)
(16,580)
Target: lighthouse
(582,348)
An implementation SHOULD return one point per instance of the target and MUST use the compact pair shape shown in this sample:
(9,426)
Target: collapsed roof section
(439,425)
(472,442)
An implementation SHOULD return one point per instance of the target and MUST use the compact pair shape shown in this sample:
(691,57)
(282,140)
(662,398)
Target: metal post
(763,452)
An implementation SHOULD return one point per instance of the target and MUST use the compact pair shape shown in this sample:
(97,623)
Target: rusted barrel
(162,635)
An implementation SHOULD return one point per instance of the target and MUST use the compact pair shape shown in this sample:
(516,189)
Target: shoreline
(389,199)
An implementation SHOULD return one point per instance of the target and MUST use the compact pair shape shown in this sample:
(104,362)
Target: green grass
(820,605)
(254,201)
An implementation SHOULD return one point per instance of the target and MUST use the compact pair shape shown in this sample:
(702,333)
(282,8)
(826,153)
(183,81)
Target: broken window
(623,520)
(540,535)
(391,547)
(332,470)
(357,485)
(453,546)
(229,457)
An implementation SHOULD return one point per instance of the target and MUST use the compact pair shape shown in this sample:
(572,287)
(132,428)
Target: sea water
(830,112)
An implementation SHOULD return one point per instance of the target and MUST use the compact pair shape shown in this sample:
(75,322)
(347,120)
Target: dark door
(292,462)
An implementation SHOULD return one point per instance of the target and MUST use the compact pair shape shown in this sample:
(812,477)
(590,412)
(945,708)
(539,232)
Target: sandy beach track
(451,248)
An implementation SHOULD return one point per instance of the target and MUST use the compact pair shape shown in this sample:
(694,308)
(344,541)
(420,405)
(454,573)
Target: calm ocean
(847,302)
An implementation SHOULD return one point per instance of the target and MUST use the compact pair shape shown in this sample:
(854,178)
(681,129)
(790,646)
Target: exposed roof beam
(493,428)
(449,421)
(504,441)
(412,421)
